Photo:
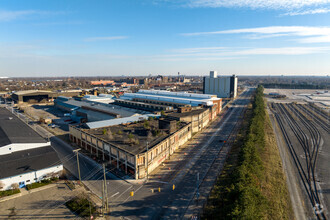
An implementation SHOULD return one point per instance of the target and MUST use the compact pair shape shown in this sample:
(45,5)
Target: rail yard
(305,133)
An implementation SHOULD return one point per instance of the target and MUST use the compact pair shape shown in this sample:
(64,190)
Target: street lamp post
(147,160)
(76,151)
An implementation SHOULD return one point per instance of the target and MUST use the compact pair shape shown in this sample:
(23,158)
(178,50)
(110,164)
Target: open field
(320,98)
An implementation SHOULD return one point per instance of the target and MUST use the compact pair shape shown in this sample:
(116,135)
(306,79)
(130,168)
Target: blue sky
(142,37)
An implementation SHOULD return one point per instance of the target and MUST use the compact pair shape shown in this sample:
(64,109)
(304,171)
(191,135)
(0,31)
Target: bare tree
(2,185)
(14,186)
(149,135)
(110,136)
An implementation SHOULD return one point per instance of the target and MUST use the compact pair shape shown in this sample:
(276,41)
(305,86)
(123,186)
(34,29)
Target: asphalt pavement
(156,198)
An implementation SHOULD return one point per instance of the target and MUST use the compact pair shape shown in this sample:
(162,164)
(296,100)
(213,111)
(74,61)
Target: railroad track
(322,122)
(319,111)
(309,141)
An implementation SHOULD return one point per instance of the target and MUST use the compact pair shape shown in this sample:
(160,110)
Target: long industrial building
(135,147)
(223,86)
(174,99)
(137,144)
(25,157)
(89,111)
(37,96)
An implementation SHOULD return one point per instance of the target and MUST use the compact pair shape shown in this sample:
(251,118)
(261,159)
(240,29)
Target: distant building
(223,86)
(102,82)
(92,111)
(101,98)
(174,99)
(25,157)
(37,96)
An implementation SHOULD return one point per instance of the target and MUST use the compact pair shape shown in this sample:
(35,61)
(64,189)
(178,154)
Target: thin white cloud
(307,12)
(12,15)
(315,33)
(210,53)
(6,15)
(284,51)
(258,4)
(197,49)
(92,39)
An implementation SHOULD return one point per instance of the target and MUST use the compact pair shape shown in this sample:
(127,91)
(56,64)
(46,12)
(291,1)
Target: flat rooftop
(115,109)
(27,161)
(185,114)
(28,92)
(13,130)
(141,133)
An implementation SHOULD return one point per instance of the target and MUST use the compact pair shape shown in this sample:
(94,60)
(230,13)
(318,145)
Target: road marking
(115,194)
(122,193)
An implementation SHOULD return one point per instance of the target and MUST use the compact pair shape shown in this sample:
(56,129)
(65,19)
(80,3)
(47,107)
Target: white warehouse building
(223,86)
(25,157)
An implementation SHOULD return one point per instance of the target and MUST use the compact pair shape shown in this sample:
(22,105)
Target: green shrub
(43,182)
(81,206)
(249,202)
(9,192)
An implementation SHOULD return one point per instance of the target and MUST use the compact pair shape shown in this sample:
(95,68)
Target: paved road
(182,170)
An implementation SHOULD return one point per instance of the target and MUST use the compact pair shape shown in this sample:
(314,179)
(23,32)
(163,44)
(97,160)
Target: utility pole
(105,195)
(147,160)
(197,182)
(76,151)
(169,148)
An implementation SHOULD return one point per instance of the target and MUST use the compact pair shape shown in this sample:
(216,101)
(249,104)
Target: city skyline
(79,38)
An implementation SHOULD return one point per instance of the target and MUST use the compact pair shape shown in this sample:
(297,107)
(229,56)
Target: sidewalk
(24,191)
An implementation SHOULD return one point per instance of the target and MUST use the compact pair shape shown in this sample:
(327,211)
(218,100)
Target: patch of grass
(41,183)
(81,206)
(9,192)
(274,183)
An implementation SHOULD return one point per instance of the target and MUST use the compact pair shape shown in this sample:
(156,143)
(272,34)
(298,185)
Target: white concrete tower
(213,74)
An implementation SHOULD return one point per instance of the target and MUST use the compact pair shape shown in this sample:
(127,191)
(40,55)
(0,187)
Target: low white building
(102,98)
(25,157)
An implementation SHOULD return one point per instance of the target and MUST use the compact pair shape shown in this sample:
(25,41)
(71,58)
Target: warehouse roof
(115,109)
(13,130)
(139,132)
(28,92)
(27,161)
(192,99)
(178,94)
(118,121)
(185,114)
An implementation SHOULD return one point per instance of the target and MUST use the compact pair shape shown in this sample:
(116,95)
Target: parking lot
(45,204)
(60,120)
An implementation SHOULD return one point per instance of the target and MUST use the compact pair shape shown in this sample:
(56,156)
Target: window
(28,181)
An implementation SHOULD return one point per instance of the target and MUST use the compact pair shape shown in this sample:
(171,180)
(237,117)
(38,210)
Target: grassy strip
(41,183)
(9,192)
(252,184)
(81,206)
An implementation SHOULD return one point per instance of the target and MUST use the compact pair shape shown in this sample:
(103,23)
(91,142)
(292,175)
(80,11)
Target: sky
(142,37)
